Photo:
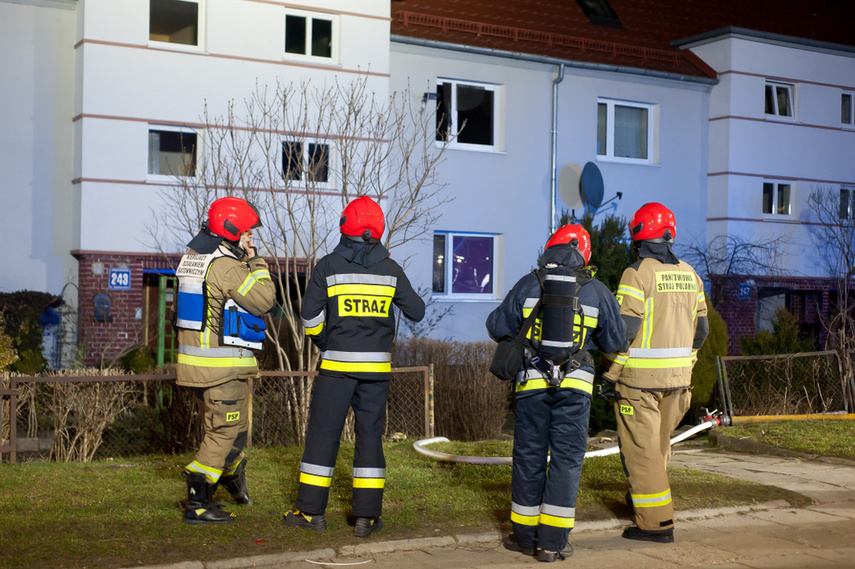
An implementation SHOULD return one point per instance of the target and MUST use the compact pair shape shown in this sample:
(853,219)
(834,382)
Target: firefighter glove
(607,389)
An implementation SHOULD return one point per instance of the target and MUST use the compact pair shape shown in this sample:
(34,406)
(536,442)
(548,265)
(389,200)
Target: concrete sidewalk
(770,535)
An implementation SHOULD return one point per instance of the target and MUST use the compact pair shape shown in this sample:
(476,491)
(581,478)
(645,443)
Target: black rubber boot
(511,544)
(366,526)
(236,484)
(656,536)
(298,519)
(201,508)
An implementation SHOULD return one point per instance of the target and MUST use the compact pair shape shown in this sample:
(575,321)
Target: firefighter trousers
(331,399)
(645,421)
(543,495)
(224,409)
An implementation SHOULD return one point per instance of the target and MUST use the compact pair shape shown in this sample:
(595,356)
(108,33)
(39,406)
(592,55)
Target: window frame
(851,96)
(306,144)
(849,217)
(306,55)
(652,120)
(197,155)
(448,282)
(791,96)
(201,38)
(453,142)
(776,187)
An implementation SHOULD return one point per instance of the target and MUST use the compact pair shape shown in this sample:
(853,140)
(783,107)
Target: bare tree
(728,256)
(831,220)
(300,153)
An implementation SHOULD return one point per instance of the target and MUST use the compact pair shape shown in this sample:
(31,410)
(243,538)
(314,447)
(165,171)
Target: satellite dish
(568,185)
(591,186)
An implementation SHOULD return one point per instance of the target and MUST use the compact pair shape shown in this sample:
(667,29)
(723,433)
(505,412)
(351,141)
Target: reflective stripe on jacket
(203,360)
(347,310)
(668,300)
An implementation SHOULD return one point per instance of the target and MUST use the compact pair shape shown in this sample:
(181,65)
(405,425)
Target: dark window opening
(171,153)
(174,21)
(292,158)
(466,111)
(443,111)
(295,34)
(475,115)
(600,13)
(321,38)
(439,263)
(314,167)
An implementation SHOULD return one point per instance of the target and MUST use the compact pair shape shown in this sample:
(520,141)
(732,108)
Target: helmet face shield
(363,218)
(653,221)
(567,234)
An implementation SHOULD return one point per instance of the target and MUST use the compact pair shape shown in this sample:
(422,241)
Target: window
(175,21)
(624,130)
(305,161)
(468,110)
(309,35)
(846,110)
(600,13)
(463,265)
(776,198)
(779,99)
(847,204)
(172,152)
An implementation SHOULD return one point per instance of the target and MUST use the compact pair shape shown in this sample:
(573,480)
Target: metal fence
(78,418)
(785,384)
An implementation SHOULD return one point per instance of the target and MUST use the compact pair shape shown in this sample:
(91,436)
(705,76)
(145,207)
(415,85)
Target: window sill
(632,161)
(445,298)
(780,119)
(180,47)
(471,148)
(311,60)
(166,179)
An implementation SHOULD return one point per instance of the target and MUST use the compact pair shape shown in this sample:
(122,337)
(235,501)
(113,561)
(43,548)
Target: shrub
(783,339)
(470,403)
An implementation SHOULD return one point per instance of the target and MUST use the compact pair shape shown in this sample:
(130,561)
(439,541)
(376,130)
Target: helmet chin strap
(234,248)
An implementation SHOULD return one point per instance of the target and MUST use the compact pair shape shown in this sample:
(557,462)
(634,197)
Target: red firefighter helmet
(567,233)
(653,221)
(363,218)
(229,217)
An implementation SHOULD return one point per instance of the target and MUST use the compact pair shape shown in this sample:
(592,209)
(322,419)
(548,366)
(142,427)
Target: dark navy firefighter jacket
(347,310)
(602,326)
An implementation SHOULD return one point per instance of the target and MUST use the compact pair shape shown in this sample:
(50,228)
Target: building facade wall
(36,78)
(506,193)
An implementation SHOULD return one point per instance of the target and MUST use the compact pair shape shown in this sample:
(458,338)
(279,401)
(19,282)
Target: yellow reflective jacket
(203,361)
(669,301)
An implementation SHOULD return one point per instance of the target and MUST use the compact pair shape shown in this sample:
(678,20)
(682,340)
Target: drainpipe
(553,182)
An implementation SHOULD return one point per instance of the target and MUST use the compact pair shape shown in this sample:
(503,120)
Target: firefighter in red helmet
(347,312)
(574,313)
(224,288)
(663,305)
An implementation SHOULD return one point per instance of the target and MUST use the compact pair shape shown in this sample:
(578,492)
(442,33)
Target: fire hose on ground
(710,420)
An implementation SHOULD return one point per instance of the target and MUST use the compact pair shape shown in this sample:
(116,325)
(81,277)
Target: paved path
(774,535)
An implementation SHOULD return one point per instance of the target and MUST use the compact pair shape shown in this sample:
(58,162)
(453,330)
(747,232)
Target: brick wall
(741,314)
(103,340)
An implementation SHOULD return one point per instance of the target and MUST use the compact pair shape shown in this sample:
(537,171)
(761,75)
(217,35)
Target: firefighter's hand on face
(607,389)
(247,244)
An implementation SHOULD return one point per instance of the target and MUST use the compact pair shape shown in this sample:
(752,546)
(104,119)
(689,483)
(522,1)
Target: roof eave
(731,32)
(409,40)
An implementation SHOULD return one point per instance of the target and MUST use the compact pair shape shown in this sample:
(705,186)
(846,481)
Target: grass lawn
(124,512)
(824,437)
